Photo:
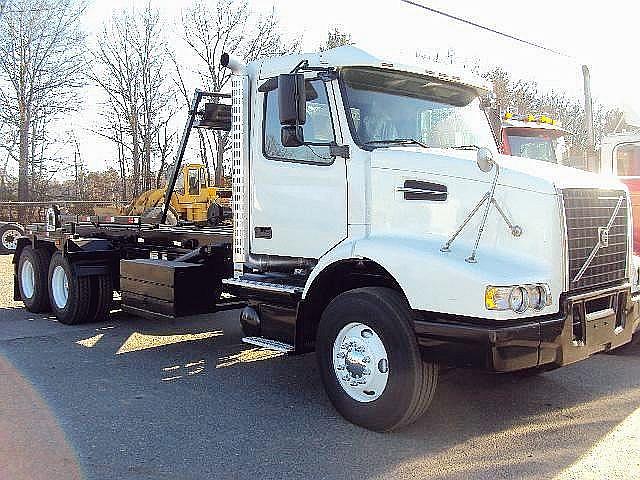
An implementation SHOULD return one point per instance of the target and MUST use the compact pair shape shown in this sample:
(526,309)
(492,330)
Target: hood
(516,172)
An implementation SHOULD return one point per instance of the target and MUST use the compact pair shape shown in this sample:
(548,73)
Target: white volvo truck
(376,224)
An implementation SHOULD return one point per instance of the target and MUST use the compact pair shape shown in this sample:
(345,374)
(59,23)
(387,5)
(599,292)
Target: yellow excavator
(193,201)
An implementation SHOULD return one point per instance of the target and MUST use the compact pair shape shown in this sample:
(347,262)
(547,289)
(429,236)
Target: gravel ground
(135,399)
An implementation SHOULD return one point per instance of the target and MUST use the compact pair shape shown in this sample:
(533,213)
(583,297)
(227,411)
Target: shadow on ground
(188,400)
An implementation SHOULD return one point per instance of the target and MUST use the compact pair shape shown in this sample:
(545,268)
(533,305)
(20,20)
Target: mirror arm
(303,64)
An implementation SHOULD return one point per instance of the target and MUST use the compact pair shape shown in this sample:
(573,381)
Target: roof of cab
(620,137)
(350,56)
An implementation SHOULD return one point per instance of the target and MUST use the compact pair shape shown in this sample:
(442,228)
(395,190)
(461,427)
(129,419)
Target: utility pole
(588,114)
(75,167)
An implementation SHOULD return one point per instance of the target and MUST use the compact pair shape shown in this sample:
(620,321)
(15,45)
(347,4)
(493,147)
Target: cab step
(270,344)
(264,286)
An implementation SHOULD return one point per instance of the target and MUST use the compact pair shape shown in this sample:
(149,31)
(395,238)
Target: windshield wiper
(397,141)
(466,147)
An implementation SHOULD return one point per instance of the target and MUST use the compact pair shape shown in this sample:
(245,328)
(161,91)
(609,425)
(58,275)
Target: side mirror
(292,136)
(485,159)
(292,99)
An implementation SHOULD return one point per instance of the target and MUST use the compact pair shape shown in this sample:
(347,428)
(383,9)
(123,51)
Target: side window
(628,160)
(317,129)
(179,189)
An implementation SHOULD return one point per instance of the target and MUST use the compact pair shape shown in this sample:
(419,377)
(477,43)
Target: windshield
(387,107)
(628,160)
(537,145)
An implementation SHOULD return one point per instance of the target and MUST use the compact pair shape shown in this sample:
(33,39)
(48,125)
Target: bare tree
(526,97)
(132,69)
(41,64)
(336,38)
(228,26)
(165,142)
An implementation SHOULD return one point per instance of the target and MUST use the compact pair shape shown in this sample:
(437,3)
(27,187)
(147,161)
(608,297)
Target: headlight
(539,296)
(518,298)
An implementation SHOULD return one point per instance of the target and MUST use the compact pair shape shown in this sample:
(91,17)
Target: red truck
(620,156)
(540,138)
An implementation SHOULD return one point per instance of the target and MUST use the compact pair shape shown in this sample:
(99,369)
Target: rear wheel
(32,279)
(370,362)
(70,295)
(9,235)
(101,298)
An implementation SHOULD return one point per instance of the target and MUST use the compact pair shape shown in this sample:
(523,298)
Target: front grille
(586,212)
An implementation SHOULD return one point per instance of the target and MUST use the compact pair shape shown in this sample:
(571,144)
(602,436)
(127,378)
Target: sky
(600,34)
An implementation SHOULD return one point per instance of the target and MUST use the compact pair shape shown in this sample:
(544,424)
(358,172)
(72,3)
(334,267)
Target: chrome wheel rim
(10,239)
(60,287)
(360,362)
(27,279)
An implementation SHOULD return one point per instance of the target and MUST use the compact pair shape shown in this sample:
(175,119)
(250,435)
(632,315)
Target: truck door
(626,164)
(298,195)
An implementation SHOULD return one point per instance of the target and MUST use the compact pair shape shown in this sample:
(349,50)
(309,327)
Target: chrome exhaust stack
(233,63)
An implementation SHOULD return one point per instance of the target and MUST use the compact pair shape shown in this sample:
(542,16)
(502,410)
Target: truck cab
(376,223)
(539,138)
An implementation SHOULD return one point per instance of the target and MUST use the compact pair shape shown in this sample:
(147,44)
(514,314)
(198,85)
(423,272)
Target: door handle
(263,232)
(419,190)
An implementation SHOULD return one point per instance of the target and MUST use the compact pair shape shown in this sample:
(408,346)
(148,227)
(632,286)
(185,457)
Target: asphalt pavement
(138,399)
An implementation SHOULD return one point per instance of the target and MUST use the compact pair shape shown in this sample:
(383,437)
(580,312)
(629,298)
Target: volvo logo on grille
(603,236)
(603,239)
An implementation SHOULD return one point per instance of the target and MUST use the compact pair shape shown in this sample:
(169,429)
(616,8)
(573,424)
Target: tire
(9,234)
(215,214)
(69,295)
(33,267)
(364,319)
(101,298)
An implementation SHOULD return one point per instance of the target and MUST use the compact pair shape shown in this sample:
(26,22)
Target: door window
(628,160)
(317,129)
(194,185)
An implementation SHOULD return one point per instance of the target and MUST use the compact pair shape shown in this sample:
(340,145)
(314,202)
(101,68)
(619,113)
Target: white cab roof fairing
(349,56)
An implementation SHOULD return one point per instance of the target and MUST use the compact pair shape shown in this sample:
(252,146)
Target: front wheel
(215,214)
(370,362)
